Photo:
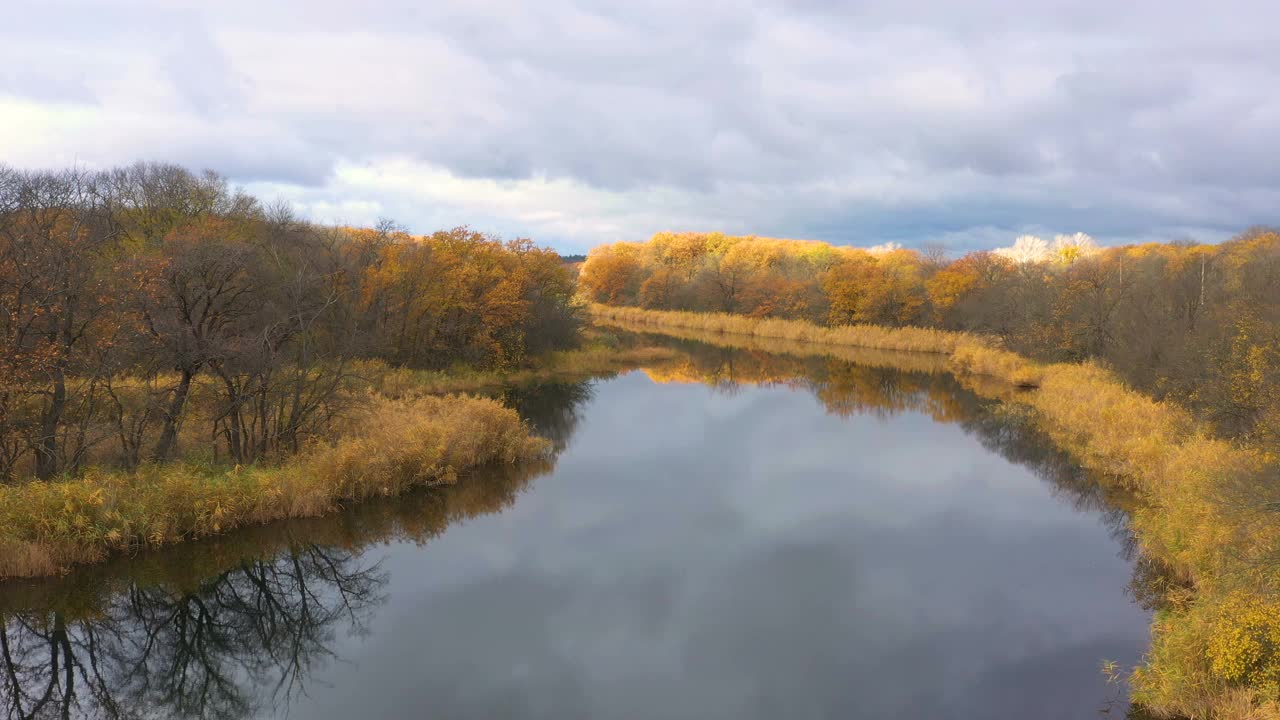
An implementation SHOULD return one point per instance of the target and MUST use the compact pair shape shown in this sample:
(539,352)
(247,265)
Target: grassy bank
(389,429)
(596,357)
(1208,511)
(933,363)
(867,336)
(966,353)
(394,445)
(183,568)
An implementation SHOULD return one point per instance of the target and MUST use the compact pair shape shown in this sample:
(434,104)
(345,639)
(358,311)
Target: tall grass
(868,336)
(966,352)
(182,568)
(1208,509)
(594,358)
(932,363)
(395,431)
(46,527)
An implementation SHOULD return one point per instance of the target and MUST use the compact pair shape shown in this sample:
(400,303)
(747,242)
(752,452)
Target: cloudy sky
(576,122)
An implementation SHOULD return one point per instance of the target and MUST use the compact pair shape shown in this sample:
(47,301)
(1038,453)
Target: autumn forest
(1196,324)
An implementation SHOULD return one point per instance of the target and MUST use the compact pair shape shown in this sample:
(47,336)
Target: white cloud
(427,197)
(576,121)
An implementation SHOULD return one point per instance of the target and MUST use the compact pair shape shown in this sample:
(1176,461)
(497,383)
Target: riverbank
(416,517)
(967,353)
(47,527)
(1207,507)
(598,356)
(403,428)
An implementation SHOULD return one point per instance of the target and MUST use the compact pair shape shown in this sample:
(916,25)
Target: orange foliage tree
(129,294)
(1193,322)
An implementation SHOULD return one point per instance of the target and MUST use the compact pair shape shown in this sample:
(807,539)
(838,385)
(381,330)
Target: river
(735,534)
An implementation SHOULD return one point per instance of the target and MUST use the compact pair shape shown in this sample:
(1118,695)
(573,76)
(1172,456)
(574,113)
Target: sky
(576,122)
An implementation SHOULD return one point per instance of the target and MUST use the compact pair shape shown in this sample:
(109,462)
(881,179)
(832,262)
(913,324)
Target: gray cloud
(906,119)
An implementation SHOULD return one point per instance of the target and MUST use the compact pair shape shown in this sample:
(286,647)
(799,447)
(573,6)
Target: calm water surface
(736,535)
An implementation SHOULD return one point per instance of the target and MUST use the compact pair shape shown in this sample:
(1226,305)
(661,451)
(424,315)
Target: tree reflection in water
(883,384)
(853,381)
(221,628)
(552,409)
(254,631)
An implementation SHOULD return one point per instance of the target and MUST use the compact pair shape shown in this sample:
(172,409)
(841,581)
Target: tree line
(148,306)
(1196,323)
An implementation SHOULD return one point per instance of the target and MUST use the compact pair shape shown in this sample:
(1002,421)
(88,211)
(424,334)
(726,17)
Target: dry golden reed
(967,353)
(593,359)
(869,336)
(47,526)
